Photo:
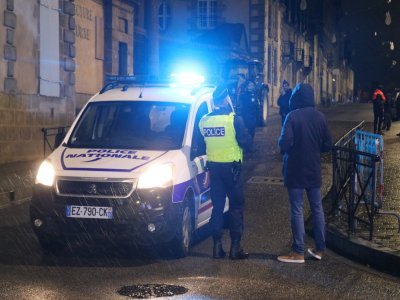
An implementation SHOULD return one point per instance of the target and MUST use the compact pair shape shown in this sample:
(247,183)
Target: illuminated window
(163,15)
(206,14)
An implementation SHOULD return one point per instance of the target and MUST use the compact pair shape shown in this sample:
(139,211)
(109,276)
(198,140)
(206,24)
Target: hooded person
(304,136)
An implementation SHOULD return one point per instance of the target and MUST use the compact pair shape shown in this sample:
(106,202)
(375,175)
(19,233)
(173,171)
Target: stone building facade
(306,46)
(32,95)
(56,53)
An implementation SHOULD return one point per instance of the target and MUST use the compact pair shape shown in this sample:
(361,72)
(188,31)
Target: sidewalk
(383,252)
(16,181)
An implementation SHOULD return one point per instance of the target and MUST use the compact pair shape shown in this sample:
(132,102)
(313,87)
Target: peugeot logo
(92,189)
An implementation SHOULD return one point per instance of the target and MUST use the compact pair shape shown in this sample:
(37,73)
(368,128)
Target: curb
(363,251)
(358,249)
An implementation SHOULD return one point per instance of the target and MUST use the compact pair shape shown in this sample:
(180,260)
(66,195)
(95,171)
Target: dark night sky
(372,58)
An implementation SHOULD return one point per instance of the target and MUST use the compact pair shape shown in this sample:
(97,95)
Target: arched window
(164,13)
(206,14)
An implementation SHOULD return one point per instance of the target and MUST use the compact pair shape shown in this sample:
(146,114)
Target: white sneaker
(316,254)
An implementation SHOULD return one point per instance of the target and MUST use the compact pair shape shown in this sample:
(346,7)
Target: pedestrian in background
(305,134)
(262,91)
(378,99)
(397,105)
(283,100)
(225,136)
(248,105)
(387,113)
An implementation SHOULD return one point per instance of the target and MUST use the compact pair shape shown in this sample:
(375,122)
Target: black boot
(237,251)
(218,252)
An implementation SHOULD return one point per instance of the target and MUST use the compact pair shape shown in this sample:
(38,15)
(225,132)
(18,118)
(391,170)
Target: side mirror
(58,139)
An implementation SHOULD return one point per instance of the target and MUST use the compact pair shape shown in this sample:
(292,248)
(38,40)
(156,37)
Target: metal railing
(50,135)
(355,191)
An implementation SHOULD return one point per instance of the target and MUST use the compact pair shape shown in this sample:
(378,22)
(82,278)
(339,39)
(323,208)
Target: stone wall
(21,119)
(23,112)
(9,49)
(89,35)
(118,12)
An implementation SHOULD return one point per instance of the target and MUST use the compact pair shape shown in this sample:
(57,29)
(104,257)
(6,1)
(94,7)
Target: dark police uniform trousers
(226,179)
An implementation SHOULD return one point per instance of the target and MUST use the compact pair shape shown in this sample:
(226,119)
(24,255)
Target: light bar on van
(187,78)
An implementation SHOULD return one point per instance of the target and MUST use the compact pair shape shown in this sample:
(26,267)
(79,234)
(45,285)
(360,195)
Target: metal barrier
(52,132)
(357,166)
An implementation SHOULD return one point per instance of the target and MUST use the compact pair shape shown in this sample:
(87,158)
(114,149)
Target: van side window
(198,144)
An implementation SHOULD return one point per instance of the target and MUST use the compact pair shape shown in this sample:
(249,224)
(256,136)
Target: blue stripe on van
(104,169)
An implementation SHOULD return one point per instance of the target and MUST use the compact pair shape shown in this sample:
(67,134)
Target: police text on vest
(214,131)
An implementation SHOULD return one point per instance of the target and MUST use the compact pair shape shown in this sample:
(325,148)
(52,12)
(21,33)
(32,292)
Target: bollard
(12,196)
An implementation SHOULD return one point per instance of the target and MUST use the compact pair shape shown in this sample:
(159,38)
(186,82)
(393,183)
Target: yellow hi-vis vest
(220,137)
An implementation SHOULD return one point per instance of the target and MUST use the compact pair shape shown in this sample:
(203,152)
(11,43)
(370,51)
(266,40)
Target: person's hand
(206,181)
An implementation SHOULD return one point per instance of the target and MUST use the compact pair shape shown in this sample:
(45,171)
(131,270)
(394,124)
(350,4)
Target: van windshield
(142,125)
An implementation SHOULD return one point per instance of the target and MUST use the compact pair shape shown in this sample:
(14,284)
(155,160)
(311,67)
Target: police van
(130,168)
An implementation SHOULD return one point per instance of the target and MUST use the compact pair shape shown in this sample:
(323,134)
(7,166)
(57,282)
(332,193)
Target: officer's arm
(286,140)
(242,135)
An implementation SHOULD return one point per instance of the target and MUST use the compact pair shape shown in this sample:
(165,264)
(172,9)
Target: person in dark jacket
(225,136)
(387,113)
(283,100)
(247,103)
(304,136)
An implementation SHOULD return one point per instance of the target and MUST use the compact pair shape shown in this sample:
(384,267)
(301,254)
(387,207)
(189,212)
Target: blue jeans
(297,221)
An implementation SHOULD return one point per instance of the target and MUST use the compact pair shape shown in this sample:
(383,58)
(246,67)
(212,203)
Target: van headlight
(46,174)
(158,176)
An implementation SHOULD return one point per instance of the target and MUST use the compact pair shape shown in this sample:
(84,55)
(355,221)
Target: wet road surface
(99,270)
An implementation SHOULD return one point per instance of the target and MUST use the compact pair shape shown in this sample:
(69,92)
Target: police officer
(225,136)
(247,103)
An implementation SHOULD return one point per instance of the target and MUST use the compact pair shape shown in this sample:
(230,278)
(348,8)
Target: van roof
(163,93)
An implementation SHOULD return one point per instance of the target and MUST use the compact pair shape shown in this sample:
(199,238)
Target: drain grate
(266,180)
(145,291)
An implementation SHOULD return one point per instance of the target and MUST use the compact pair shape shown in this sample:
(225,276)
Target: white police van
(131,168)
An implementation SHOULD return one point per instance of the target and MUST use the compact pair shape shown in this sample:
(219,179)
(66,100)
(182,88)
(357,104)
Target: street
(99,270)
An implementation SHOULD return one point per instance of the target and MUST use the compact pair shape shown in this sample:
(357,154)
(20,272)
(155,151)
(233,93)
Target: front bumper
(131,216)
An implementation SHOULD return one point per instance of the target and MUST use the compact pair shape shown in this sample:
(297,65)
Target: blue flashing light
(187,79)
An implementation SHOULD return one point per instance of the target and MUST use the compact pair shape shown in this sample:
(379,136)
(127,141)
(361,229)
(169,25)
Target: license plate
(89,212)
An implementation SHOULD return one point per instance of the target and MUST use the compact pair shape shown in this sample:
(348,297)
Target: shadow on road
(19,246)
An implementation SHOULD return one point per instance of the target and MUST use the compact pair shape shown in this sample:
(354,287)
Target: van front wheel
(183,236)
